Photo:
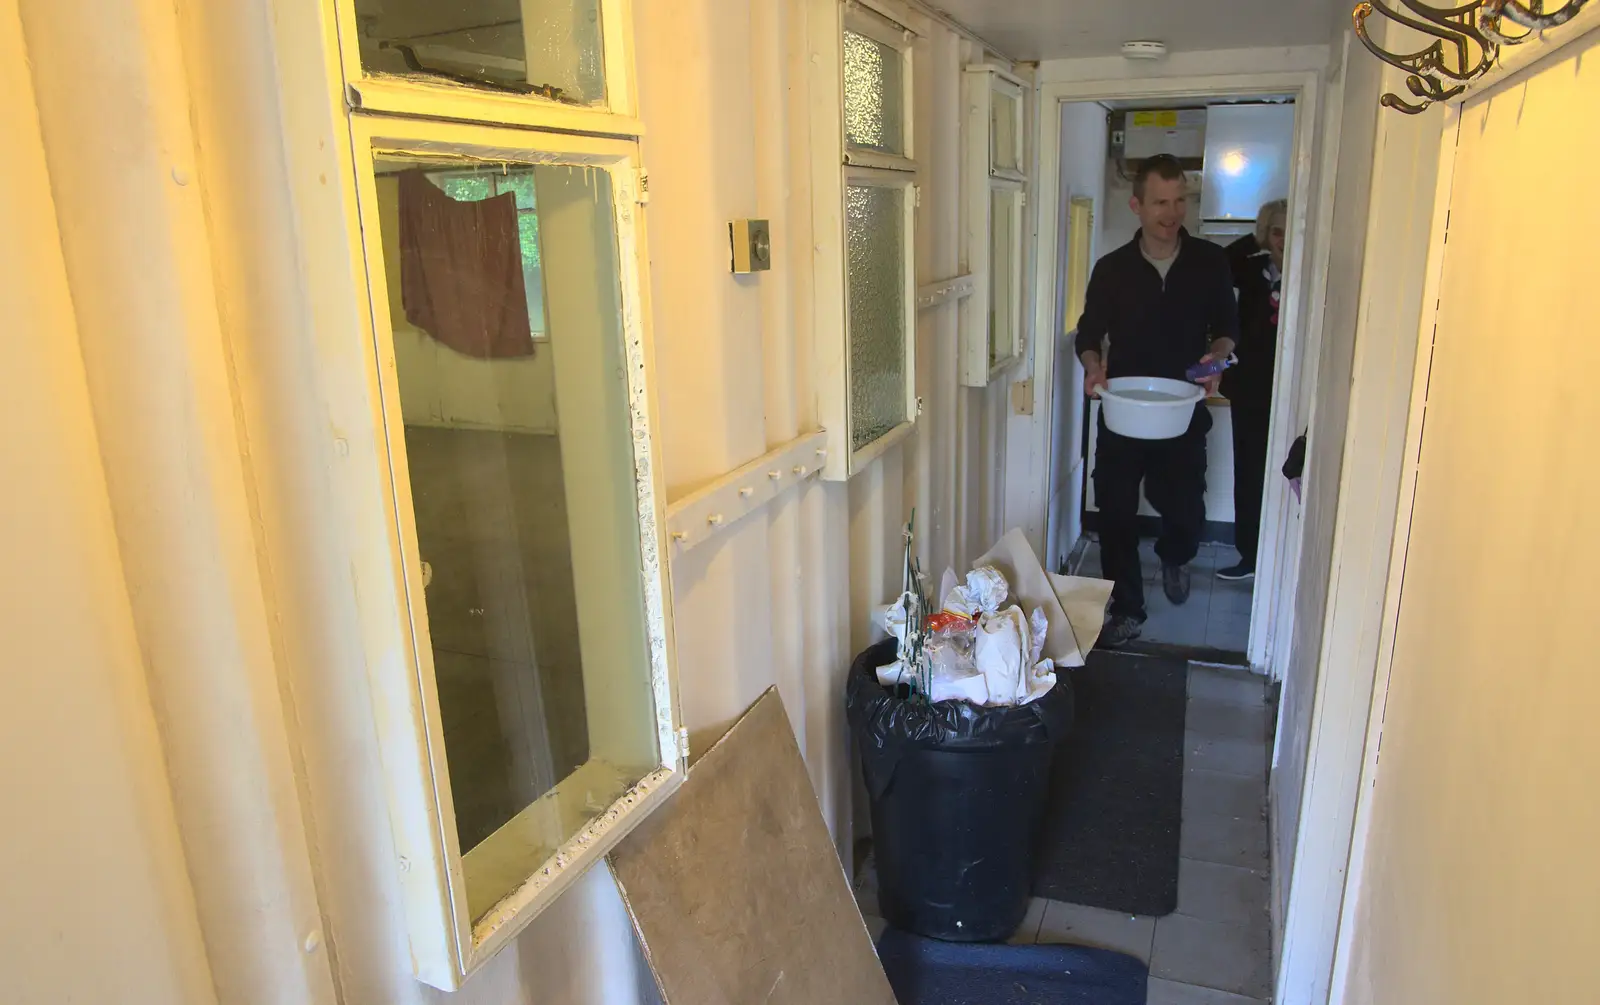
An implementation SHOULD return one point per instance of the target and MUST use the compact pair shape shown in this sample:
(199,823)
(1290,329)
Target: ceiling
(1050,29)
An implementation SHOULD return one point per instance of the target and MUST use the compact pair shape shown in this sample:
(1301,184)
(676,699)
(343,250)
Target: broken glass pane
(550,48)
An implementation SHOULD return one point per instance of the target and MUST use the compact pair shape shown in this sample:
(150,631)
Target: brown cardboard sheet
(734,886)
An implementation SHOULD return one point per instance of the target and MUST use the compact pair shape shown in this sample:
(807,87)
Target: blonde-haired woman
(1248,386)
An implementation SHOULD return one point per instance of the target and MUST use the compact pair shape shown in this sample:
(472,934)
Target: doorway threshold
(1202,655)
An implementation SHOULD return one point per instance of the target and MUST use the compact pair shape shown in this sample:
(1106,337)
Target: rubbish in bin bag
(907,622)
(976,647)
(1075,607)
(983,593)
(957,794)
(973,650)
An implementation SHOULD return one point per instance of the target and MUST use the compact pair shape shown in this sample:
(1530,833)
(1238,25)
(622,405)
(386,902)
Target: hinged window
(529,62)
(866,276)
(995,180)
(525,706)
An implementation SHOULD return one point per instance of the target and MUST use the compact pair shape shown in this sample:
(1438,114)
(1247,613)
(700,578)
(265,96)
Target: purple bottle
(1205,371)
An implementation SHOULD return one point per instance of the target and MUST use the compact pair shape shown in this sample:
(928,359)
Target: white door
(1480,877)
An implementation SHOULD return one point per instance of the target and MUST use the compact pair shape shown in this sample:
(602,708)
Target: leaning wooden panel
(735,888)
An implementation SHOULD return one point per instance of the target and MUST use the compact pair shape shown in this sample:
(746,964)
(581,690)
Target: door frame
(1271,623)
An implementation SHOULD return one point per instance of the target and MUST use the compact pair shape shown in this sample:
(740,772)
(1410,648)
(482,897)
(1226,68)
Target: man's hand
(1094,374)
(1221,348)
(1213,384)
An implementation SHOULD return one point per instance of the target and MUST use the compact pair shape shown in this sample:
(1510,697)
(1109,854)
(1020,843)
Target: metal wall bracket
(935,294)
(1466,41)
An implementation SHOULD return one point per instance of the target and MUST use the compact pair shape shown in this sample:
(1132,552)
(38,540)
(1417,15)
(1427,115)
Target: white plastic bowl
(1149,408)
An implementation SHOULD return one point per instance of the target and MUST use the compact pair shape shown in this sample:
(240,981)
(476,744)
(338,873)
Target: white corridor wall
(192,630)
(1475,877)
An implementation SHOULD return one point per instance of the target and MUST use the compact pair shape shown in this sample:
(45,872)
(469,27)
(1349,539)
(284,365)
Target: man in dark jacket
(1154,308)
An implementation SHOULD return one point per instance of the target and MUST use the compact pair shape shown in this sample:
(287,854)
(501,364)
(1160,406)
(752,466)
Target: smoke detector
(1144,50)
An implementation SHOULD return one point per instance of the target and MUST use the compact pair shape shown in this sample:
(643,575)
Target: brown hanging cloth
(461,270)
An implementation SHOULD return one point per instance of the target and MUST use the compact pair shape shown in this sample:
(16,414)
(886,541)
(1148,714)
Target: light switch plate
(1022,397)
(752,246)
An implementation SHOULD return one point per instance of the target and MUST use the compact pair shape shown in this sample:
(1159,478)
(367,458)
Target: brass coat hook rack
(1466,41)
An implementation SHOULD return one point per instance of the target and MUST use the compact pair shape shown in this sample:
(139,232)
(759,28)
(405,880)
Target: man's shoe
(1237,573)
(1175,583)
(1120,629)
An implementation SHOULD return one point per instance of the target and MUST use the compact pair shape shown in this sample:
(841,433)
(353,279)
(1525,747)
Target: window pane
(874,95)
(1002,274)
(1004,112)
(549,47)
(472,186)
(532,274)
(520,459)
(876,250)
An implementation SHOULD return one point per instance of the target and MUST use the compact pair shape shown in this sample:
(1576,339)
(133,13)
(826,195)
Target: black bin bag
(958,796)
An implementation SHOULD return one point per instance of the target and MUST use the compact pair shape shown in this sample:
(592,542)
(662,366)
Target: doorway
(1246,624)
(1086,157)
(1237,152)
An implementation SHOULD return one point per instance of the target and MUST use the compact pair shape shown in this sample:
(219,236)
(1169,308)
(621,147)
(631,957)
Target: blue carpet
(925,972)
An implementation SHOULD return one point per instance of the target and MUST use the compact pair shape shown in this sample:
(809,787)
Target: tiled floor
(1215,949)
(1217,615)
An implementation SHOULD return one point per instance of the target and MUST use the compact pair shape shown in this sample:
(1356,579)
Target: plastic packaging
(957,795)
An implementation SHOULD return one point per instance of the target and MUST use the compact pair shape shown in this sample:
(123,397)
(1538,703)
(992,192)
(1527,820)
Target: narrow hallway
(1215,949)
(1217,616)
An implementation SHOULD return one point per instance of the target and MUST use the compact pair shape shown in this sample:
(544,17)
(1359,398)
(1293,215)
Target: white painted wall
(97,897)
(1351,194)
(1477,879)
(1083,169)
(219,805)
(1382,218)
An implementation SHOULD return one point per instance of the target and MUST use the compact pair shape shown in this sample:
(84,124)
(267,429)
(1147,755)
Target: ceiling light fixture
(1467,40)
(1144,50)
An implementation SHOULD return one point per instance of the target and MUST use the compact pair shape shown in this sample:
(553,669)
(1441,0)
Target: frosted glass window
(520,470)
(1004,109)
(546,47)
(874,95)
(876,250)
(1002,274)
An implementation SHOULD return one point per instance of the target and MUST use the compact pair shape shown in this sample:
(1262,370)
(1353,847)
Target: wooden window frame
(983,177)
(439,124)
(836,165)
(399,95)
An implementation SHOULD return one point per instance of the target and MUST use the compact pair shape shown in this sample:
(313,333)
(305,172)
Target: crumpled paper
(983,593)
(1075,607)
(999,655)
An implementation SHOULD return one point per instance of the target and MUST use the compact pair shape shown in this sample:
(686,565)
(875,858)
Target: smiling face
(1164,207)
(1277,240)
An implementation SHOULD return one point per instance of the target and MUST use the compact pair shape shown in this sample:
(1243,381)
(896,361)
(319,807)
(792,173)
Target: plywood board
(735,888)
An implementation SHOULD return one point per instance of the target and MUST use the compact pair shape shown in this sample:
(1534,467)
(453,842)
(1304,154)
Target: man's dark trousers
(1174,476)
